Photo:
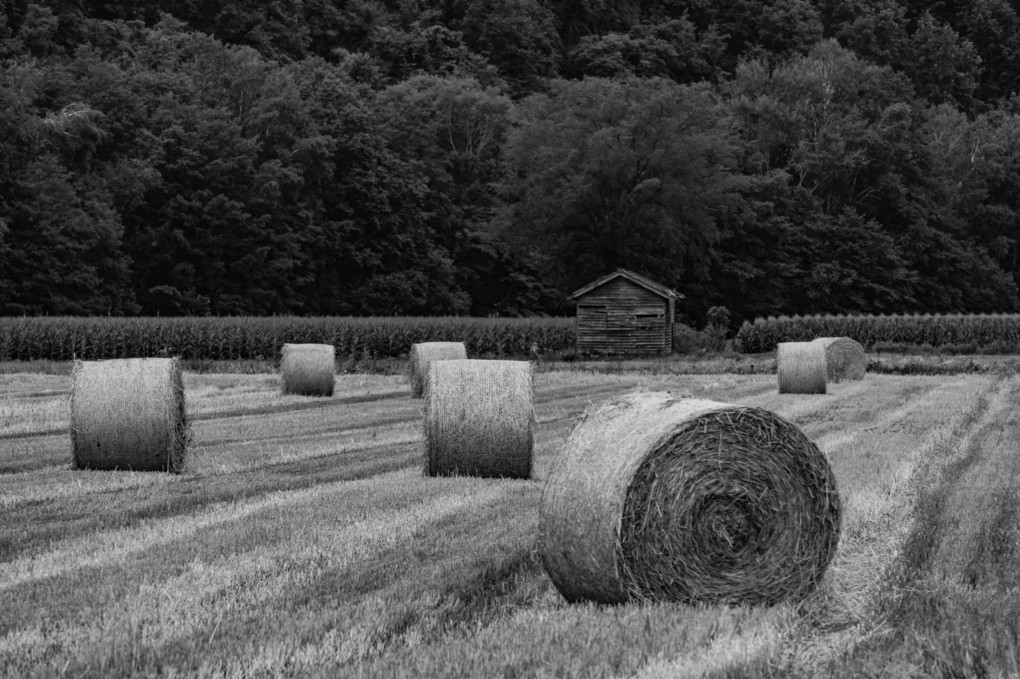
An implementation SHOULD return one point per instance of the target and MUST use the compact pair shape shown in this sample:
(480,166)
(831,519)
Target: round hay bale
(307,369)
(844,358)
(800,368)
(423,353)
(658,497)
(128,414)
(479,418)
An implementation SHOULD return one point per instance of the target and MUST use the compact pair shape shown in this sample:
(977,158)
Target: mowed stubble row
(304,540)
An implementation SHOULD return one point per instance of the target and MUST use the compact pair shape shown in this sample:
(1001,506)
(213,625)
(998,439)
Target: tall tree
(13,14)
(942,65)
(851,134)
(453,130)
(606,174)
(877,30)
(672,49)
(518,37)
(993,27)
(61,247)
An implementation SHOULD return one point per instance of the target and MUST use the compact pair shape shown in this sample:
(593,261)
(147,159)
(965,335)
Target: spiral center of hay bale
(727,526)
(714,515)
(845,359)
(691,501)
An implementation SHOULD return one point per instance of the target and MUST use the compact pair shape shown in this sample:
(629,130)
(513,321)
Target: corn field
(960,332)
(247,338)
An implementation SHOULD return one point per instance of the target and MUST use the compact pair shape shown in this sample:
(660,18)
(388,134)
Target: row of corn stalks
(243,338)
(959,331)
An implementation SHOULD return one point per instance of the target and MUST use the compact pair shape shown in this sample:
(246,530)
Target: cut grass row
(372,570)
(236,458)
(950,605)
(206,586)
(342,441)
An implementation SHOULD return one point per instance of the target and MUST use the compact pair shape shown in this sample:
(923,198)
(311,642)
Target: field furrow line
(541,397)
(320,534)
(113,546)
(977,533)
(879,492)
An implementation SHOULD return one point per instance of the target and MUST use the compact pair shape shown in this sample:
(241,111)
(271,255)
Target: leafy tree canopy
(455,157)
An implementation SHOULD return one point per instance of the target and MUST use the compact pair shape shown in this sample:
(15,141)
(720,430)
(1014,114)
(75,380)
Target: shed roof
(638,279)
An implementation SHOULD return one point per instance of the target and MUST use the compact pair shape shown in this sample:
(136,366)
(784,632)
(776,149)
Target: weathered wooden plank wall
(621,317)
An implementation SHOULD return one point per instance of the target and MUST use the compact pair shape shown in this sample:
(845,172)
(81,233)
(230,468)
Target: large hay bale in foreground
(128,414)
(479,418)
(664,498)
(844,358)
(800,368)
(307,369)
(424,353)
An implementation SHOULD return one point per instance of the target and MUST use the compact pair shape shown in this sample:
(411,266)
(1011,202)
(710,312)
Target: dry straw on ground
(307,369)
(844,358)
(800,368)
(666,498)
(479,418)
(424,353)
(128,414)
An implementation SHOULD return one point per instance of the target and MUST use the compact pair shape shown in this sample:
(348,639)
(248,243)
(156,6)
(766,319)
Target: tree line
(486,157)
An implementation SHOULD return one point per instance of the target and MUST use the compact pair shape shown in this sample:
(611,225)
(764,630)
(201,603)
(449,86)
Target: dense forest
(486,157)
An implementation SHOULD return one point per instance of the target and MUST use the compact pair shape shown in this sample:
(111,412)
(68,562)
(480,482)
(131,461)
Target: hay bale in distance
(128,414)
(307,369)
(844,358)
(423,353)
(479,418)
(800,368)
(657,497)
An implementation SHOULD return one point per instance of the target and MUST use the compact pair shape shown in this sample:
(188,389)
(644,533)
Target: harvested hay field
(424,353)
(666,498)
(801,368)
(128,414)
(307,369)
(306,542)
(479,418)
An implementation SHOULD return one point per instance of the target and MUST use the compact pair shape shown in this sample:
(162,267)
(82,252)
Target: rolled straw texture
(479,418)
(423,353)
(307,369)
(128,414)
(800,368)
(656,497)
(844,358)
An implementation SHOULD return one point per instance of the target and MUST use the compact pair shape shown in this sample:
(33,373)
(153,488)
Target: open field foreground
(303,540)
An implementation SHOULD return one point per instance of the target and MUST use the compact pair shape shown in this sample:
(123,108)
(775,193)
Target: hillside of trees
(487,157)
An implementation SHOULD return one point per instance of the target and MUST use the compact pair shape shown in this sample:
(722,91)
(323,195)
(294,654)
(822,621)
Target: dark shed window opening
(649,317)
(620,320)
(649,321)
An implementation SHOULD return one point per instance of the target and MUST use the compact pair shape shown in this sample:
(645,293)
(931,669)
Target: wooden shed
(625,313)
